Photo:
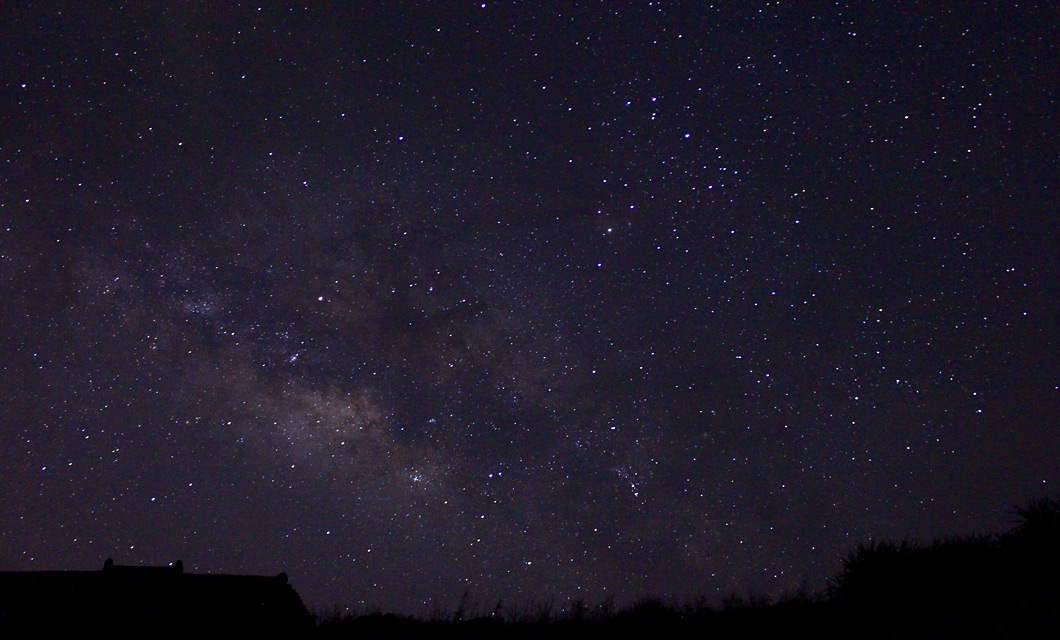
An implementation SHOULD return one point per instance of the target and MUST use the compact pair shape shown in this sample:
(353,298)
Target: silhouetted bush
(975,586)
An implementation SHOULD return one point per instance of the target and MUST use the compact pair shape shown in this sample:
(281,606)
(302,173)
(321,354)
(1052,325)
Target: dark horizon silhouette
(991,586)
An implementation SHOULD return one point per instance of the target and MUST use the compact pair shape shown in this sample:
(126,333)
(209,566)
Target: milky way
(523,302)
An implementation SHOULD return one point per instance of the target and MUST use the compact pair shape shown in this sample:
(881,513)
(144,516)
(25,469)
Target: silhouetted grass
(647,618)
(1001,586)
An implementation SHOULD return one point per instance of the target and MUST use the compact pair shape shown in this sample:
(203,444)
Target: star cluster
(579,300)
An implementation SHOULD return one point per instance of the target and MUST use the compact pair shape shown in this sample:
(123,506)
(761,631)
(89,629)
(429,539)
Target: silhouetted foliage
(1037,532)
(1041,518)
(1004,586)
(979,586)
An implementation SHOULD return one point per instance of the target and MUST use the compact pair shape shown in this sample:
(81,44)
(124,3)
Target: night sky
(523,300)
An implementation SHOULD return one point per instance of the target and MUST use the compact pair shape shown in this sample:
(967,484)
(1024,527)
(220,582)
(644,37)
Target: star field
(592,299)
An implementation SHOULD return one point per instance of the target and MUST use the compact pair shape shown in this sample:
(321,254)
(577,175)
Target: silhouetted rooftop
(163,599)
